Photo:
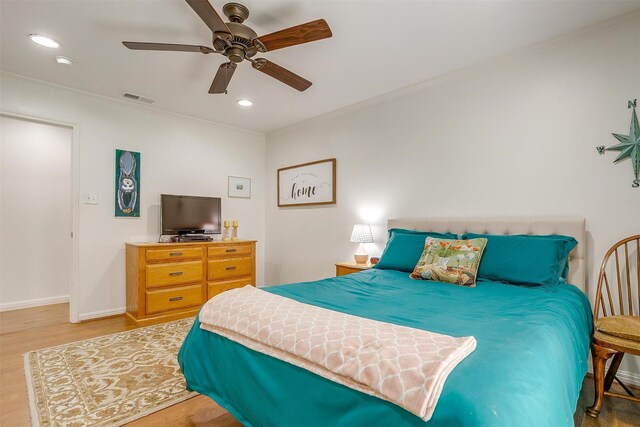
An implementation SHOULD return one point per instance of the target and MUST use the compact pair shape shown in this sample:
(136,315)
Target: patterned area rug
(108,380)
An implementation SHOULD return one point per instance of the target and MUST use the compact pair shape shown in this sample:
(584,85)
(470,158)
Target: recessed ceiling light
(245,102)
(64,60)
(44,41)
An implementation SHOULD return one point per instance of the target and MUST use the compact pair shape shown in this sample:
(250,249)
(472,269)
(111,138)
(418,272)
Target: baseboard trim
(30,303)
(629,378)
(101,313)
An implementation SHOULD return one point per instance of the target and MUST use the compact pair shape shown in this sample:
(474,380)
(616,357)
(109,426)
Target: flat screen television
(190,214)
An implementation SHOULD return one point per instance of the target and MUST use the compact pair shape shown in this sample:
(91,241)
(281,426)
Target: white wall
(35,205)
(515,136)
(179,155)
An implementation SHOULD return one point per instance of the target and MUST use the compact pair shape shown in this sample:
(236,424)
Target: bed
(527,369)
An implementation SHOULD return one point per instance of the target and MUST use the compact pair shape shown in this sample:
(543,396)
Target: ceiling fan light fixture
(63,60)
(244,102)
(44,41)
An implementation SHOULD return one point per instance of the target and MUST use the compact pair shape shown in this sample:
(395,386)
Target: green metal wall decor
(629,145)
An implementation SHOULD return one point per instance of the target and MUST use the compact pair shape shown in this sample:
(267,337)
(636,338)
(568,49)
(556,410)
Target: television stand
(194,238)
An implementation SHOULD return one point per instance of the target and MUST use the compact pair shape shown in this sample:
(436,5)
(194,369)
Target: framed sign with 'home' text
(307,184)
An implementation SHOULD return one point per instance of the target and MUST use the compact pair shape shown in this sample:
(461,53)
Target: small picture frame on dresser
(239,187)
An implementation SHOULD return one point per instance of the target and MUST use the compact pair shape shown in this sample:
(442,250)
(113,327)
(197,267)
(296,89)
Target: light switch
(90,198)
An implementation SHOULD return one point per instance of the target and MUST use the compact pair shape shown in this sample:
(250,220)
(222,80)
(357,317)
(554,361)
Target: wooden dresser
(167,281)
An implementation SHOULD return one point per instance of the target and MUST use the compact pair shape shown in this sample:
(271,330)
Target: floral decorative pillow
(450,261)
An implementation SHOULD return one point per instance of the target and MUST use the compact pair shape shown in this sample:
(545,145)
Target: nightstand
(343,268)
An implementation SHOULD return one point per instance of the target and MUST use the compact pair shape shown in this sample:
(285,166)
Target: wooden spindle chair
(616,318)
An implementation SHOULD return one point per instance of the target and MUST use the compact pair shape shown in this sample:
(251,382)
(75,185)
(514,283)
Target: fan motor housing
(241,40)
(242,33)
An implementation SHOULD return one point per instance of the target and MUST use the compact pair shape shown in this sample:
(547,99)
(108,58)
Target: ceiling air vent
(138,98)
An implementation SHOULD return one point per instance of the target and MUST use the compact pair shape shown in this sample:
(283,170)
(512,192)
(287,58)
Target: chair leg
(613,369)
(600,356)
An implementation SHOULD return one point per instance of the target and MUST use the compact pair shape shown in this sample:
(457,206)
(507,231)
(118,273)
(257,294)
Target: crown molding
(108,99)
(477,68)
(482,67)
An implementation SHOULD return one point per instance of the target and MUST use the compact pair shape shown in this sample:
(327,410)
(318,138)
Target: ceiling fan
(238,42)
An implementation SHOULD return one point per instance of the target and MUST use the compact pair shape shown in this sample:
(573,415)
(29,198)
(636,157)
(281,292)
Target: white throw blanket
(402,365)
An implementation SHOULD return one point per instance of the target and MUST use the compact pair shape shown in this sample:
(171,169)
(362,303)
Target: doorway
(37,213)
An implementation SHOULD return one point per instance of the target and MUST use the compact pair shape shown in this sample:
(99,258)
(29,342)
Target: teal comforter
(527,369)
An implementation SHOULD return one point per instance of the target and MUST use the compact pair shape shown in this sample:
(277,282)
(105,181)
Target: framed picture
(239,187)
(307,184)
(127,184)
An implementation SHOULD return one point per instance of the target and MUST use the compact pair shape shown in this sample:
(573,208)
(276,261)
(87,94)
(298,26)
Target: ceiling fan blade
(303,33)
(208,14)
(168,47)
(222,78)
(285,76)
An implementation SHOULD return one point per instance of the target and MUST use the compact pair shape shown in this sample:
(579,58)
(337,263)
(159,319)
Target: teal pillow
(405,247)
(525,259)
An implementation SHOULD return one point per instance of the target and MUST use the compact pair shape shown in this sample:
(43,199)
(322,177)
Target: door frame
(74,290)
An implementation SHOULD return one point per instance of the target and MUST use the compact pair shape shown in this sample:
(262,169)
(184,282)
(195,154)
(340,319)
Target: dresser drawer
(173,273)
(227,268)
(216,288)
(175,253)
(229,250)
(174,298)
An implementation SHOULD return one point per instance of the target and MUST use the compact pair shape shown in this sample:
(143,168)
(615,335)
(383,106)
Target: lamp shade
(361,234)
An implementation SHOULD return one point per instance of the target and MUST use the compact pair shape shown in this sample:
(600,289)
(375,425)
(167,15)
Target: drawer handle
(176,273)
(175,299)
(231,268)
(175,254)
(232,250)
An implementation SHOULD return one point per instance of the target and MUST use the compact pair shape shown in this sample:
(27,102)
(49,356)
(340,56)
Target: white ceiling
(377,47)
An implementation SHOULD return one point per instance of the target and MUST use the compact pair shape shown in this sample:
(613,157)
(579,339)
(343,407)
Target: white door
(35,213)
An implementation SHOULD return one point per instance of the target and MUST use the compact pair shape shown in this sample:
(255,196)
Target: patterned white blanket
(402,365)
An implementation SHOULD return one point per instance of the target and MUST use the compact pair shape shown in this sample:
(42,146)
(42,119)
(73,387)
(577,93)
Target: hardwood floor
(615,412)
(25,330)
(31,329)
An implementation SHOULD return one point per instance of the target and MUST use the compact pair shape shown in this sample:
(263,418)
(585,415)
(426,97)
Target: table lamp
(361,234)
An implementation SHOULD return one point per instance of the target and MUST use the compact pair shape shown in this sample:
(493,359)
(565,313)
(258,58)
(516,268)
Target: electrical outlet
(90,198)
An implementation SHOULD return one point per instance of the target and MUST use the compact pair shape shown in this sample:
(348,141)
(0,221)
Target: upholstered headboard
(568,226)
